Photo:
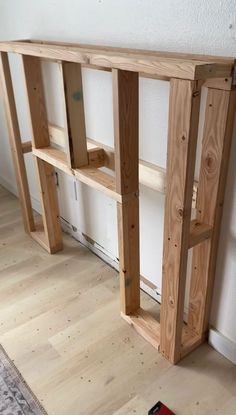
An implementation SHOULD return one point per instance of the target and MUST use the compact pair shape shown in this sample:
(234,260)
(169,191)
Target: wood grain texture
(36,101)
(40,138)
(181,153)
(58,158)
(190,341)
(26,147)
(219,121)
(128,234)
(199,232)
(219,83)
(15,143)
(39,235)
(99,180)
(147,326)
(150,175)
(49,202)
(55,157)
(153,53)
(126,108)
(89,175)
(161,65)
(74,108)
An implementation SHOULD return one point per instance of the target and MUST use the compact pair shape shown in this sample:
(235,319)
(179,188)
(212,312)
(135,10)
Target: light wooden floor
(60,323)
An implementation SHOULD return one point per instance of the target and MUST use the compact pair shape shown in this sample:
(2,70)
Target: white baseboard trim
(223,345)
(90,244)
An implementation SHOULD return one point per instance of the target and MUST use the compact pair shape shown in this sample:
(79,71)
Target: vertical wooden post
(36,101)
(50,210)
(15,143)
(181,153)
(74,114)
(218,128)
(125,90)
(40,138)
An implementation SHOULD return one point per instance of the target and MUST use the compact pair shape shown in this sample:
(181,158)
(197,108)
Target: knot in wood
(180,212)
(171,301)
(209,162)
(196,94)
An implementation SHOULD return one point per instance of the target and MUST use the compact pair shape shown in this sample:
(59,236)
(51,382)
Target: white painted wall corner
(223,345)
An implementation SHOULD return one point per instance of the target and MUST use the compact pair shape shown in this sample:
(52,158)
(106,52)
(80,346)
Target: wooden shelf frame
(69,150)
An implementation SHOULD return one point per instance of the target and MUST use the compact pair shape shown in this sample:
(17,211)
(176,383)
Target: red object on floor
(160,409)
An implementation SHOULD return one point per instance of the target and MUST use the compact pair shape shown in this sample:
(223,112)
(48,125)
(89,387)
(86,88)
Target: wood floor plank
(60,323)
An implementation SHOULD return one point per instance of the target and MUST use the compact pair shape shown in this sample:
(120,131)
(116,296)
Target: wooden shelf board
(88,175)
(53,156)
(149,328)
(146,326)
(98,180)
(190,341)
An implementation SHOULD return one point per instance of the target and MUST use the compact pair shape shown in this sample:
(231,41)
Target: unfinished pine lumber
(193,209)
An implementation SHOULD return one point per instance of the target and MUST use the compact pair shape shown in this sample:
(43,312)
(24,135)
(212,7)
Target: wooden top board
(163,64)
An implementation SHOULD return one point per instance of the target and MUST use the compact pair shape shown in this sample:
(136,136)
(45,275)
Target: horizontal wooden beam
(89,175)
(154,53)
(55,157)
(98,180)
(100,155)
(150,175)
(218,83)
(199,232)
(189,341)
(157,64)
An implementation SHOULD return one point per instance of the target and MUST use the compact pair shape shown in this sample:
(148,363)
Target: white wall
(178,25)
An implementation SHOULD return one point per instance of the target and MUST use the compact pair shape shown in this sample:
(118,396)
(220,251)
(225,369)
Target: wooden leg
(219,121)
(50,211)
(15,143)
(128,230)
(51,239)
(125,90)
(36,101)
(181,153)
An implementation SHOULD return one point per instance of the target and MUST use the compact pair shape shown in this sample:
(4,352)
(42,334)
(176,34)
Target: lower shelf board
(190,341)
(149,328)
(146,325)
(39,236)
